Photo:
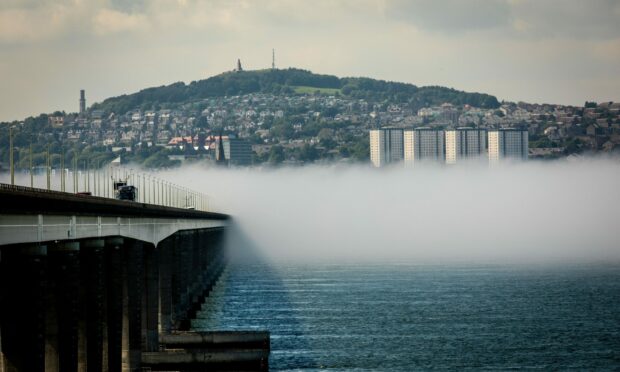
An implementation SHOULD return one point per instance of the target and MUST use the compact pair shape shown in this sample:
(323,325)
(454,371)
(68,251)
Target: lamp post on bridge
(168,194)
(48,167)
(30,164)
(12,164)
(62,169)
(163,192)
(75,171)
(147,188)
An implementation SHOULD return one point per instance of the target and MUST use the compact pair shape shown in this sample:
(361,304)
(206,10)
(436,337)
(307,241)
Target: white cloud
(35,24)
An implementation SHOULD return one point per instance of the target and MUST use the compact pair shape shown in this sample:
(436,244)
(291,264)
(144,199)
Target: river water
(404,317)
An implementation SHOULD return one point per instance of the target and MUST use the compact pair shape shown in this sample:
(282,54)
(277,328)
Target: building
(56,121)
(236,152)
(505,144)
(386,146)
(449,114)
(465,143)
(423,145)
(82,101)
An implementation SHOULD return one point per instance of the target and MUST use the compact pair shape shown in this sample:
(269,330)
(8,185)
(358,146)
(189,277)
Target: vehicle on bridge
(123,191)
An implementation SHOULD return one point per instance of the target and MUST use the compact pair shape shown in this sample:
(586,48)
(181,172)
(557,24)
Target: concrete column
(23,272)
(176,280)
(51,323)
(198,276)
(64,266)
(91,263)
(112,340)
(165,285)
(202,254)
(132,305)
(185,269)
(151,298)
(195,265)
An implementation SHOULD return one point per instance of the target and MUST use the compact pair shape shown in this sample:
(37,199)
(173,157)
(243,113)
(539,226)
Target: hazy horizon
(561,52)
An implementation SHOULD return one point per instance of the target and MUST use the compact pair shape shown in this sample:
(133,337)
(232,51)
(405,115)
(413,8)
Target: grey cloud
(128,6)
(451,15)
(569,19)
(519,18)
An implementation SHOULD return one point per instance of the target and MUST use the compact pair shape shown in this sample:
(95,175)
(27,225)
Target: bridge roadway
(95,284)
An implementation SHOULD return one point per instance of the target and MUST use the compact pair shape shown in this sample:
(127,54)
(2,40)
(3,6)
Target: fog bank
(531,211)
(535,211)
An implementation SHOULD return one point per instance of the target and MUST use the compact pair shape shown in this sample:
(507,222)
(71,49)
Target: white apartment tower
(465,143)
(507,144)
(386,146)
(423,145)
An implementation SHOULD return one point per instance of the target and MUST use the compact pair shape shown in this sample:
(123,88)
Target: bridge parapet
(35,216)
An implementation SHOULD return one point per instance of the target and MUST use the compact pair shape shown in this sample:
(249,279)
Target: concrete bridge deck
(36,215)
(95,284)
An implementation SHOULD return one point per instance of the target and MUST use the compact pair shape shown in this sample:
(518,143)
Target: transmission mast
(273,59)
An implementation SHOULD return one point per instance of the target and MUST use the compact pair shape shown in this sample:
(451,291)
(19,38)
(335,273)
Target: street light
(48,169)
(62,169)
(75,171)
(11,155)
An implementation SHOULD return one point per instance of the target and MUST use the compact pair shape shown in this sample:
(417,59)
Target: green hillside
(313,90)
(291,81)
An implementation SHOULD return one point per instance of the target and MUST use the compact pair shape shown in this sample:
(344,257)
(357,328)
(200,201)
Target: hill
(292,81)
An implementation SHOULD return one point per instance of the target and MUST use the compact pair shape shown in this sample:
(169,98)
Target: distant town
(302,125)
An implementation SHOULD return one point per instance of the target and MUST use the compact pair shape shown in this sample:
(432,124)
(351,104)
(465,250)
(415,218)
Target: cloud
(544,51)
(451,16)
(109,21)
(595,19)
(129,6)
(35,23)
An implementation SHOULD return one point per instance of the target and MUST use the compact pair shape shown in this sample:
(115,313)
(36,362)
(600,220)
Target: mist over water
(562,211)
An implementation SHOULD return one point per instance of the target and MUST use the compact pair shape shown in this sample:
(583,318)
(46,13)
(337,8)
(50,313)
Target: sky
(549,51)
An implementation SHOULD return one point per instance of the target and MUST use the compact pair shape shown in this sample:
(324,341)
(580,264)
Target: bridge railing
(150,189)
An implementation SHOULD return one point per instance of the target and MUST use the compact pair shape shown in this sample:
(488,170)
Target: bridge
(90,283)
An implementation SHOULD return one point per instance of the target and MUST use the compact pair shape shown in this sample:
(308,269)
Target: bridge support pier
(103,304)
(151,298)
(64,270)
(92,276)
(166,266)
(183,272)
(113,332)
(22,316)
(132,305)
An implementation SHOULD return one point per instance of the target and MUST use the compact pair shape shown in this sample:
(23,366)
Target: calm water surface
(404,317)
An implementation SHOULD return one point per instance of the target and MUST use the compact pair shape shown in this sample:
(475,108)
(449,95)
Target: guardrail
(16,199)
(150,189)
